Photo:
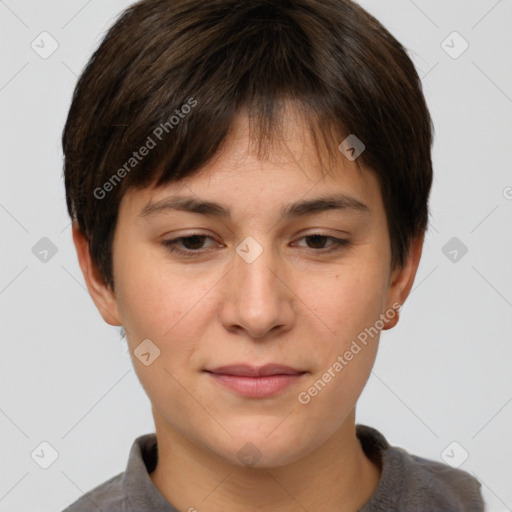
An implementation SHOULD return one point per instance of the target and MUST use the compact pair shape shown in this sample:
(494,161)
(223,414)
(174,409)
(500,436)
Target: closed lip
(245,370)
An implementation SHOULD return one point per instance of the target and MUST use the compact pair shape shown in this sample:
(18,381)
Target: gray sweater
(408,483)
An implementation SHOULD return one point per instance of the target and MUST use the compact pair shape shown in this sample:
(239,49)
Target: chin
(254,449)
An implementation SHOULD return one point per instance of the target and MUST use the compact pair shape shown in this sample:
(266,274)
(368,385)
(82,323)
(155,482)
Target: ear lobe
(101,293)
(402,279)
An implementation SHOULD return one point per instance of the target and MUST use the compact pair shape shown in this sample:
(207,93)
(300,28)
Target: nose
(258,300)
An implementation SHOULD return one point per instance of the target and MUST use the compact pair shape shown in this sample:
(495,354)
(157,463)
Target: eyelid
(172,244)
(191,235)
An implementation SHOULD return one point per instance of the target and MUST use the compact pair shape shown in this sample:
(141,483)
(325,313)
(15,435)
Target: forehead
(292,166)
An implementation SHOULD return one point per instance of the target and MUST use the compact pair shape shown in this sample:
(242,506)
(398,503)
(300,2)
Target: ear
(101,293)
(402,279)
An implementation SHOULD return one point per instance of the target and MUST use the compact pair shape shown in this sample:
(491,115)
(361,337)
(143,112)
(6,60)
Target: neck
(337,476)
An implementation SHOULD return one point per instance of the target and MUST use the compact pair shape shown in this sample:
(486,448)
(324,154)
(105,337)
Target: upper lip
(246,370)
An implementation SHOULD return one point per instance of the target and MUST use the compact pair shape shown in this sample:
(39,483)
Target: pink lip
(246,370)
(256,382)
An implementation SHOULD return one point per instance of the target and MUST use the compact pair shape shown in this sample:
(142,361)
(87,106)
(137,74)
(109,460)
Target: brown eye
(193,242)
(187,245)
(317,243)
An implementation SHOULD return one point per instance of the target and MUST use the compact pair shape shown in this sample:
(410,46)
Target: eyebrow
(297,209)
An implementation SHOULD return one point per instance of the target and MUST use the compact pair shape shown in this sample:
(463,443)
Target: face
(256,286)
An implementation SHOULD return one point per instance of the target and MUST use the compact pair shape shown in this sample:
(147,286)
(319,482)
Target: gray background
(442,375)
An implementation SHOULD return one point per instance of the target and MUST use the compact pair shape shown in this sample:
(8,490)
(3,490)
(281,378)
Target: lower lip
(256,387)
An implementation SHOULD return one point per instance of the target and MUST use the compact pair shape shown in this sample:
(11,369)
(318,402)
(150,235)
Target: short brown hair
(202,62)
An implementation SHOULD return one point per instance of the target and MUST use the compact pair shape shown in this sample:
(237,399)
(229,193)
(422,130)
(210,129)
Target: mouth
(246,370)
(256,382)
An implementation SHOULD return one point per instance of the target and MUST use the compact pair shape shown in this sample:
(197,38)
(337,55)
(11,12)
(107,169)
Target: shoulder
(412,483)
(437,486)
(106,496)
(130,490)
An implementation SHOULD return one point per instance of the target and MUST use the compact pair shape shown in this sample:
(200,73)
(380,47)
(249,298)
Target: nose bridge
(254,261)
(259,300)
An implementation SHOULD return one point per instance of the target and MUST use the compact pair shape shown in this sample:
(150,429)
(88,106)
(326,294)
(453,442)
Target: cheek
(166,308)
(348,307)
(162,303)
(346,302)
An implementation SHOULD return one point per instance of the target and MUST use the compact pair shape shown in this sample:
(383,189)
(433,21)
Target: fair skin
(295,304)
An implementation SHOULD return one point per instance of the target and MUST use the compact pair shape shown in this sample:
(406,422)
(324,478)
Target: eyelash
(172,245)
